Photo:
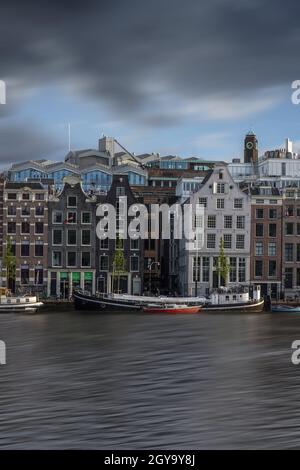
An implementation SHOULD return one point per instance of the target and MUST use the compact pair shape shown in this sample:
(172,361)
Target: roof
(24,184)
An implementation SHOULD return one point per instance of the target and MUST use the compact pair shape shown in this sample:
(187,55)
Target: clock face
(249,145)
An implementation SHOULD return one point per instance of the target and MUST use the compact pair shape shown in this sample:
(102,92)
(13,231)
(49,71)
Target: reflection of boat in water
(285,308)
(21,304)
(240,298)
(170,308)
(85,301)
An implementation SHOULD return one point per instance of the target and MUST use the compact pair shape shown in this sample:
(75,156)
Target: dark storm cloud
(132,54)
(19,143)
(117,48)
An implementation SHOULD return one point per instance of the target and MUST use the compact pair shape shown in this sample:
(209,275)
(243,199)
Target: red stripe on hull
(171,310)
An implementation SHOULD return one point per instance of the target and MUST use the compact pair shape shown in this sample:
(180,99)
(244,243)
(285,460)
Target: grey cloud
(22,142)
(134,55)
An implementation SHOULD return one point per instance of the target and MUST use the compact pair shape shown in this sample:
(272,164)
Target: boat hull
(285,309)
(85,302)
(256,306)
(20,308)
(170,310)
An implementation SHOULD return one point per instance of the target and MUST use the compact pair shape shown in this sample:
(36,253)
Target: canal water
(119,381)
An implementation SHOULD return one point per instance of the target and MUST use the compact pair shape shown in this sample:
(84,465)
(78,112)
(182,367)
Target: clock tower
(250,148)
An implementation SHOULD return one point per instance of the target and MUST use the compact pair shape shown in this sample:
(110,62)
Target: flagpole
(69,134)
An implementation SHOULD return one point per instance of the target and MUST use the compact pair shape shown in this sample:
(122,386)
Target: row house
(266,239)
(227,212)
(291,242)
(120,265)
(25,236)
(72,240)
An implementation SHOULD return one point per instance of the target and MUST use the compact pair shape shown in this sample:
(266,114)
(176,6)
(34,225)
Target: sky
(183,78)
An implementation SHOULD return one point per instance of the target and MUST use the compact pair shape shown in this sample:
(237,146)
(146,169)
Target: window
(134,244)
(85,237)
(38,276)
(242,269)
(205,269)
(25,196)
(298,276)
(220,188)
(103,263)
(298,229)
(240,242)
(273,213)
(259,230)
(240,221)
(85,217)
(56,259)
(232,272)
(211,221)
(134,263)
(39,211)
(12,196)
(57,237)
(227,221)
(272,249)
(25,227)
(259,213)
(71,218)
(289,228)
(11,227)
(203,201)
(39,248)
(258,268)
(289,211)
(57,217)
(120,191)
(72,237)
(272,268)
(220,175)
(39,227)
(220,204)
(85,259)
(196,269)
(39,196)
(227,240)
(211,240)
(104,244)
(298,252)
(272,230)
(71,259)
(11,211)
(288,276)
(72,201)
(259,249)
(25,248)
(238,203)
(24,275)
(25,211)
(289,252)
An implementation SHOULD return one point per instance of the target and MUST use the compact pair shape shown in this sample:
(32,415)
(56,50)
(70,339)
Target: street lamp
(150,270)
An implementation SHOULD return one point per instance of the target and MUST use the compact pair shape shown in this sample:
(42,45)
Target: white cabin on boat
(229,296)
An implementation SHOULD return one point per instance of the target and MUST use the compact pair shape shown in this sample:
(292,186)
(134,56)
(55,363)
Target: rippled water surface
(84,380)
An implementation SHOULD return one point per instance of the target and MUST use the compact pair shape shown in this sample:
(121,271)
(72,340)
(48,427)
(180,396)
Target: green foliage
(223,266)
(10,262)
(119,263)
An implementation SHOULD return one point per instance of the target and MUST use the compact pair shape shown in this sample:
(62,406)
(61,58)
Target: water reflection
(75,380)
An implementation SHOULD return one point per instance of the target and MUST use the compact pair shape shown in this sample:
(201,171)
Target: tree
(10,264)
(223,266)
(119,263)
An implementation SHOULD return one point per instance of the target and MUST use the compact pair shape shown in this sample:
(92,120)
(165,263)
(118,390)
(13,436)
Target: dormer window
(72,201)
(220,175)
